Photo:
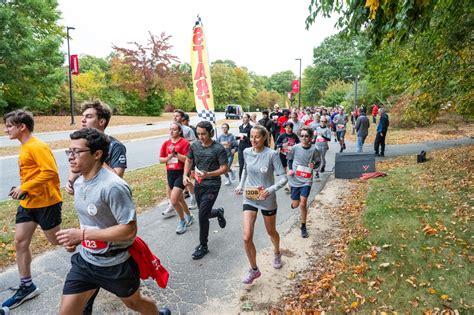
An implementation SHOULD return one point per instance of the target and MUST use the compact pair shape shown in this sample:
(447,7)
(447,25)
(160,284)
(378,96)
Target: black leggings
(206,197)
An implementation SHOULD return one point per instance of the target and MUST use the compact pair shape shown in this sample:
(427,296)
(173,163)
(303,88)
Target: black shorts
(283,160)
(47,217)
(123,279)
(267,213)
(175,178)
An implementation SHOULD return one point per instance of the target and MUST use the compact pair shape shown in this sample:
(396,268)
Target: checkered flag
(207,115)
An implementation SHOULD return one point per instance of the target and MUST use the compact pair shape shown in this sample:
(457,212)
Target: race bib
(304,171)
(226,144)
(253,193)
(340,126)
(320,139)
(242,135)
(93,245)
(196,173)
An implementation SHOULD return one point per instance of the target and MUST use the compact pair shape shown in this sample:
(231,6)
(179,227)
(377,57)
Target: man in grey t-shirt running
(107,217)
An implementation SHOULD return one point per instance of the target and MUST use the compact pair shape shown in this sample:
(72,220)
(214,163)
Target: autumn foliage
(405,245)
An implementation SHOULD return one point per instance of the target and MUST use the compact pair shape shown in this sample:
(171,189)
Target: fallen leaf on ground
(428,230)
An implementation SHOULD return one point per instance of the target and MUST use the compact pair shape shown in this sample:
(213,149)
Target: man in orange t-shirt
(39,195)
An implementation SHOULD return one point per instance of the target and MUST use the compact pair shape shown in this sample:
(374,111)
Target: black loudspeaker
(353,165)
(420,158)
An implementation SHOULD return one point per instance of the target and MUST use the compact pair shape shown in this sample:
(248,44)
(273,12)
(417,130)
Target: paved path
(192,283)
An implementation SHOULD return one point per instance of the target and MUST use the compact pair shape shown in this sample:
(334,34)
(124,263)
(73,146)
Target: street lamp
(70,78)
(299,81)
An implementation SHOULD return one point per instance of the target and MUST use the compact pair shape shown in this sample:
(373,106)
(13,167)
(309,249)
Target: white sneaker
(169,212)
(181,227)
(227,182)
(192,204)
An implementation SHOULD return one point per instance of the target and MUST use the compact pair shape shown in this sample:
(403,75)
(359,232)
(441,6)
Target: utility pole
(70,77)
(299,81)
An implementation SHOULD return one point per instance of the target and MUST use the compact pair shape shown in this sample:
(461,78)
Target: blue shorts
(297,192)
(340,134)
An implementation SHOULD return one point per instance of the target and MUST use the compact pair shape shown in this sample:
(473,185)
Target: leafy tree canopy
(30,56)
(281,81)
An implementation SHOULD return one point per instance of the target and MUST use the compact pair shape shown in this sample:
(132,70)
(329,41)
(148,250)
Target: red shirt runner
(281,121)
(181,147)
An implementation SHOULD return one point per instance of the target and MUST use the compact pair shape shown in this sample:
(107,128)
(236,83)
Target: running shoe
(251,275)
(232,175)
(23,294)
(220,217)
(192,203)
(304,232)
(200,252)
(344,145)
(4,311)
(189,220)
(342,149)
(277,261)
(287,188)
(227,182)
(181,227)
(169,212)
(322,169)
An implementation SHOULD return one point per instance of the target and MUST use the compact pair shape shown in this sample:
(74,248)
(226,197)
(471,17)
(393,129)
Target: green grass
(439,266)
(148,188)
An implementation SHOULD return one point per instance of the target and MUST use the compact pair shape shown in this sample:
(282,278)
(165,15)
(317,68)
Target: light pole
(299,91)
(70,77)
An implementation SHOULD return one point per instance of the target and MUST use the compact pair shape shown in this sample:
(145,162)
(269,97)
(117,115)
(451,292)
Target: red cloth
(148,264)
(366,176)
(308,122)
(375,110)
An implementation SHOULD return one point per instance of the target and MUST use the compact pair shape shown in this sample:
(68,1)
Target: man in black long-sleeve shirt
(244,140)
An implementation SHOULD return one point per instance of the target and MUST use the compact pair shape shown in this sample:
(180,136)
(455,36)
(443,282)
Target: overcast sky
(263,35)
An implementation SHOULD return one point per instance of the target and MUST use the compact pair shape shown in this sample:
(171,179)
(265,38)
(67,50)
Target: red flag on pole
(74,64)
(295,86)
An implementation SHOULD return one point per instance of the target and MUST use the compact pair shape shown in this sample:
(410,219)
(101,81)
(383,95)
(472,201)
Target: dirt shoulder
(298,256)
